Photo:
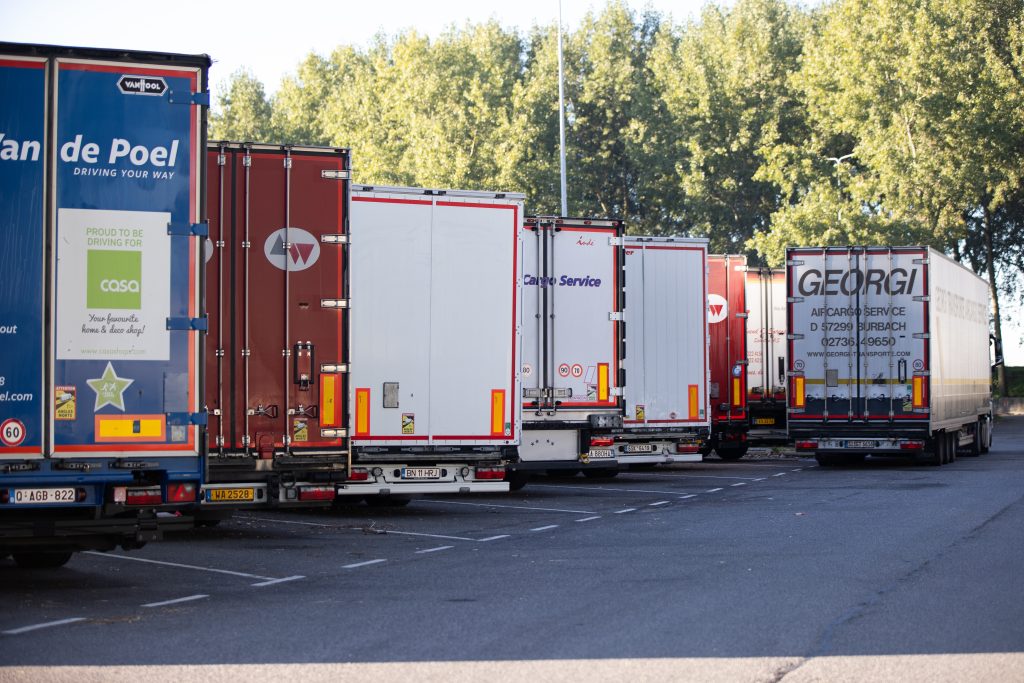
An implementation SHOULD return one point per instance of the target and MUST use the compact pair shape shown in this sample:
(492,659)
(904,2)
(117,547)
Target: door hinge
(615,316)
(188,229)
(201,324)
(199,419)
(333,303)
(333,174)
(189,97)
(334,238)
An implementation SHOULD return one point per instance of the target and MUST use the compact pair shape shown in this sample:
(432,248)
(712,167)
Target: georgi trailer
(727,332)
(435,341)
(666,362)
(766,354)
(101,309)
(888,354)
(572,400)
(276,354)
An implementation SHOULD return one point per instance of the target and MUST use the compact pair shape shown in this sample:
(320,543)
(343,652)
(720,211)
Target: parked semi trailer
(888,354)
(435,375)
(766,354)
(101,309)
(727,331)
(277,352)
(572,351)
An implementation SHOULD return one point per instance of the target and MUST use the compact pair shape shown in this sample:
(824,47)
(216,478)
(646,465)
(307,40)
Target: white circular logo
(302,250)
(718,308)
(12,432)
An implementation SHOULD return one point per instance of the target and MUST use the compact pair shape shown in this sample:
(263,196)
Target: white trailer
(572,345)
(766,354)
(434,340)
(888,354)
(668,416)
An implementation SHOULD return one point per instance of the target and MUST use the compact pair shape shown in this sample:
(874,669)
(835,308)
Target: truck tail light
(316,493)
(496,473)
(149,495)
(687,447)
(601,442)
(359,474)
(911,445)
(799,398)
(5,496)
(808,445)
(920,391)
(181,492)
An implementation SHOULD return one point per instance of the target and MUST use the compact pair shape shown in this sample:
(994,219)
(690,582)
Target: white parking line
(244,575)
(493,538)
(713,490)
(495,505)
(587,519)
(545,528)
(291,521)
(417,533)
(610,489)
(48,624)
(345,528)
(742,483)
(761,479)
(622,512)
(798,469)
(272,582)
(688,495)
(690,476)
(780,474)
(434,550)
(660,502)
(362,564)
(176,601)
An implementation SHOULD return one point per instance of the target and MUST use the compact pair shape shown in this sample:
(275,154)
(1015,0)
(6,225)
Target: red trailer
(277,297)
(727,313)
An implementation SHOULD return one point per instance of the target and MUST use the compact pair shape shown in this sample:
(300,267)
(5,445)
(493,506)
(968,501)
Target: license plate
(230,495)
(43,496)
(764,420)
(639,448)
(598,453)
(421,473)
(860,444)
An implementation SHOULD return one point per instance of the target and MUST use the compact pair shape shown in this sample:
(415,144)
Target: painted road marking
(362,564)
(780,474)
(688,476)
(761,479)
(610,489)
(244,575)
(660,502)
(688,495)
(417,533)
(493,538)
(291,521)
(622,512)
(587,519)
(347,528)
(176,601)
(515,507)
(434,550)
(272,582)
(713,490)
(798,469)
(48,624)
(545,528)
(742,483)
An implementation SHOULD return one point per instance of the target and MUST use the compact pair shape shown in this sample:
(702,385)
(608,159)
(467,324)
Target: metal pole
(561,113)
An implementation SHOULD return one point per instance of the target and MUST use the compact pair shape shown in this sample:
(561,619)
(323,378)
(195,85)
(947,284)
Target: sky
(271,42)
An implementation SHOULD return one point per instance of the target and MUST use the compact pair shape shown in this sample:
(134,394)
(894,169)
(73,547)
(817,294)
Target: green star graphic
(109,389)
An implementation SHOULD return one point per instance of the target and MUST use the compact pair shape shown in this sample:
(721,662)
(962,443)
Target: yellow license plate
(230,495)
(764,420)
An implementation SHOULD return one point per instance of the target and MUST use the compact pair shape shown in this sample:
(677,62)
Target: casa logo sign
(718,308)
(300,251)
(142,85)
(113,279)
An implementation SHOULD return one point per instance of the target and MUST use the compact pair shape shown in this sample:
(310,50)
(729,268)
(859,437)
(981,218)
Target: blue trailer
(102,166)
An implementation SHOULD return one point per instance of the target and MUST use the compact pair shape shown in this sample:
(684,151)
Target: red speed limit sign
(563,369)
(12,432)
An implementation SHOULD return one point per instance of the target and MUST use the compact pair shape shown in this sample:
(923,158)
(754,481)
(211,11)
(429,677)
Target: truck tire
(517,480)
(600,473)
(826,460)
(41,559)
(938,455)
(731,452)
(986,436)
(974,450)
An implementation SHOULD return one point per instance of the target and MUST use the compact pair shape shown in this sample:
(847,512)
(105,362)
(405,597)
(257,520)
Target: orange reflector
(799,400)
(362,412)
(694,401)
(128,428)
(737,394)
(918,391)
(602,382)
(497,412)
(329,400)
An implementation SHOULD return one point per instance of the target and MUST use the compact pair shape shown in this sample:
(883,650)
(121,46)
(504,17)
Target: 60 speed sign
(12,432)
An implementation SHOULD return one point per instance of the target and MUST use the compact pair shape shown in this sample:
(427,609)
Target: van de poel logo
(301,250)
(113,279)
(142,85)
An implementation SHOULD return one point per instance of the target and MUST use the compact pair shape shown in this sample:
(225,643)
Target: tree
(244,112)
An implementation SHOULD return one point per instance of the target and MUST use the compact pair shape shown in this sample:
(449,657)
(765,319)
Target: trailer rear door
(766,333)
(727,312)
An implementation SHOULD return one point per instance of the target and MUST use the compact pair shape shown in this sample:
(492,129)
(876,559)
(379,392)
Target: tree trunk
(994,293)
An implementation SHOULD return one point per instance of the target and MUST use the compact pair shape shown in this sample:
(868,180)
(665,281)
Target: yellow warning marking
(602,382)
(362,412)
(328,400)
(641,413)
(408,423)
(694,401)
(131,428)
(799,400)
(497,412)
(737,395)
(918,392)
(65,403)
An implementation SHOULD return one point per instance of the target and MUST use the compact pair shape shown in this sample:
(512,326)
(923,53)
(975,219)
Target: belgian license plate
(639,448)
(764,420)
(598,453)
(230,495)
(421,473)
(42,496)
(853,443)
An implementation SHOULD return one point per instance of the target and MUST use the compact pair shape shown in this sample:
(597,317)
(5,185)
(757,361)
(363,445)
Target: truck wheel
(517,480)
(826,460)
(731,452)
(951,447)
(986,436)
(974,450)
(938,456)
(42,559)
(600,473)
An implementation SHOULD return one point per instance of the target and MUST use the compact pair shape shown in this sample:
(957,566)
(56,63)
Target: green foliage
(244,111)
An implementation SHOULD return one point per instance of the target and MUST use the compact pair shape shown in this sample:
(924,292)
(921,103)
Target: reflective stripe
(602,381)
(127,428)
(362,412)
(328,400)
(799,400)
(694,401)
(497,412)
